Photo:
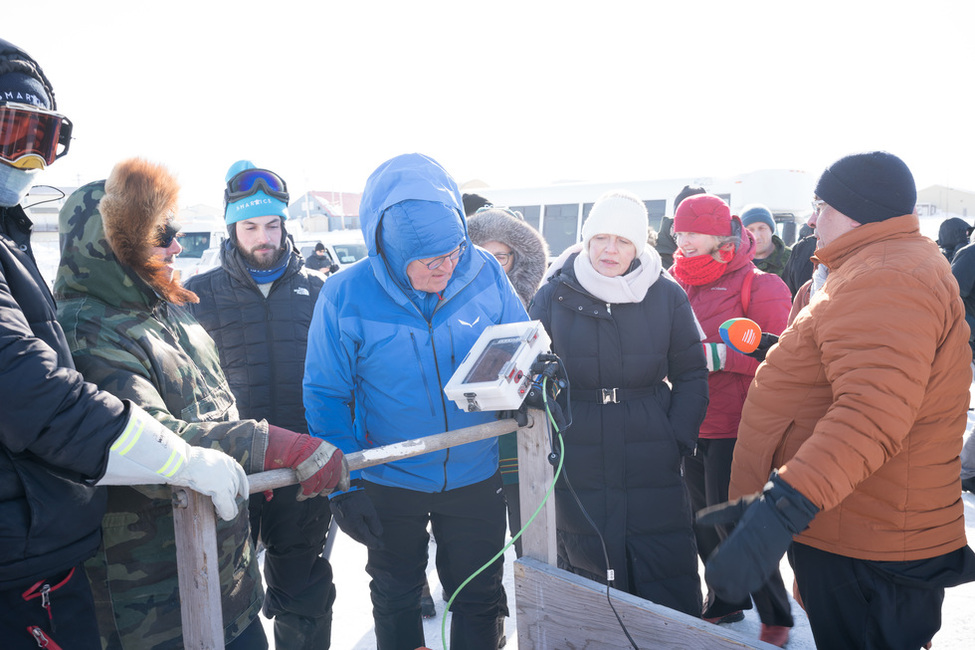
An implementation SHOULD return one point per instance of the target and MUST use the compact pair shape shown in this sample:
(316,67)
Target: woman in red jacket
(713,264)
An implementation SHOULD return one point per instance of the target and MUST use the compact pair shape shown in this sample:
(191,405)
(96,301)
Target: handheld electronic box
(496,373)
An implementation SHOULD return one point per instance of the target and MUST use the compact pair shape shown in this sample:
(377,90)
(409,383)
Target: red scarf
(698,270)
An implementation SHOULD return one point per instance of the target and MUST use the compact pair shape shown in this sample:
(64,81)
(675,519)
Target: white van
(342,247)
(201,239)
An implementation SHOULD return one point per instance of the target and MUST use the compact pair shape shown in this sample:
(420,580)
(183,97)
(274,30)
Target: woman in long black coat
(634,358)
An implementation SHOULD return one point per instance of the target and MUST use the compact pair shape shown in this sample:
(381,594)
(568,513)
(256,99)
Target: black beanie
(22,80)
(869,187)
(686,192)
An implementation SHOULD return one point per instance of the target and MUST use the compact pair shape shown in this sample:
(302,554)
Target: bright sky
(514,93)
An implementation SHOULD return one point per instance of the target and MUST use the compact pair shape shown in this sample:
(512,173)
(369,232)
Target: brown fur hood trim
(140,198)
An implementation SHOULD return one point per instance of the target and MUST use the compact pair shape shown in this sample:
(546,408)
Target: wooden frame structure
(556,609)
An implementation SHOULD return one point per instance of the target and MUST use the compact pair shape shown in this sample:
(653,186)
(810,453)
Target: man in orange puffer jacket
(858,413)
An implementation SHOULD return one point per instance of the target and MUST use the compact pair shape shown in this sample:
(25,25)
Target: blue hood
(411,209)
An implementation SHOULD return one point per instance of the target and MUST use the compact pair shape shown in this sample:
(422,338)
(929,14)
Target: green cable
(548,493)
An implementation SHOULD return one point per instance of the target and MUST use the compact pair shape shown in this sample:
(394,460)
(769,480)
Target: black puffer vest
(261,341)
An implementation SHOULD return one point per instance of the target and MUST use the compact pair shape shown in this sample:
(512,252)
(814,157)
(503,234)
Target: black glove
(766,523)
(766,342)
(536,399)
(520,416)
(356,516)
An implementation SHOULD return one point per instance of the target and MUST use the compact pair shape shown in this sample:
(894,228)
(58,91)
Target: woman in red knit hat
(713,263)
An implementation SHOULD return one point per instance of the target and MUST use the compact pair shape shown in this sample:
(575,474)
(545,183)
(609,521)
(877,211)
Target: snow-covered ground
(352,613)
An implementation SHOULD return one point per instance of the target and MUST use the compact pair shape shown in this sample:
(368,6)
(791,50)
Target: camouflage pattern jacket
(777,259)
(131,343)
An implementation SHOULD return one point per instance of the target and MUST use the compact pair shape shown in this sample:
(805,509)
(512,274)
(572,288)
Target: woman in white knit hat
(622,326)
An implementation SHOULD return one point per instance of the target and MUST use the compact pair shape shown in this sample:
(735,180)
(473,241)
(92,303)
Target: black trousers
(68,620)
(859,604)
(513,498)
(468,524)
(300,591)
(707,476)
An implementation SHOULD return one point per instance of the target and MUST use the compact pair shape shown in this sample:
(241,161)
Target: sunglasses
(453,256)
(167,234)
(250,181)
(30,136)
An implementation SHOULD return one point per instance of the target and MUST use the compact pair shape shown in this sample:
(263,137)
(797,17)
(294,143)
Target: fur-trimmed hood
(107,230)
(531,251)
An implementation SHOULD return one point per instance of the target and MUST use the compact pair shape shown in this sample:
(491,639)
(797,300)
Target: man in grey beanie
(858,414)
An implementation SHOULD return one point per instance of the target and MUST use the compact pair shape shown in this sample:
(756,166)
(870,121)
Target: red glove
(320,466)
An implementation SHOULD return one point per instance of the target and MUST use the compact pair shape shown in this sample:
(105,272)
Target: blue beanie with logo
(258,204)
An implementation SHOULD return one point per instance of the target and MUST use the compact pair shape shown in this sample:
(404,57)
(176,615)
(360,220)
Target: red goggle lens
(29,131)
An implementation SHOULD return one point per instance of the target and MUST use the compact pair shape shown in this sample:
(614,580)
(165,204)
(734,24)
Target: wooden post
(535,475)
(196,535)
(199,577)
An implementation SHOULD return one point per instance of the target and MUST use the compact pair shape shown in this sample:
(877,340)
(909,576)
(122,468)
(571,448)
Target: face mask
(14,184)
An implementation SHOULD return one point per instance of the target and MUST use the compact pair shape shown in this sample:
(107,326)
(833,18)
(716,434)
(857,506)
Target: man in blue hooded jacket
(386,336)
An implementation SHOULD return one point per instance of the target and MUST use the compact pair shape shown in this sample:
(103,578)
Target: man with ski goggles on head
(257,306)
(61,437)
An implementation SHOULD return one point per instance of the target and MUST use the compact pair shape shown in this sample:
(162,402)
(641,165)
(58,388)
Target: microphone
(742,335)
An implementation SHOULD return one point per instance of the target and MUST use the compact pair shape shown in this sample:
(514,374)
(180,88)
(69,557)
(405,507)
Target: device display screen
(497,353)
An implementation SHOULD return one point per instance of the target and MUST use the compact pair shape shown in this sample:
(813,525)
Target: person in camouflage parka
(130,336)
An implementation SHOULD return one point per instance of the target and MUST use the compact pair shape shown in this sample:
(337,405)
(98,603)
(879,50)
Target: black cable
(56,198)
(565,477)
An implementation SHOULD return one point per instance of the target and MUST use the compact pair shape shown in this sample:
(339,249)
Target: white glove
(715,355)
(147,453)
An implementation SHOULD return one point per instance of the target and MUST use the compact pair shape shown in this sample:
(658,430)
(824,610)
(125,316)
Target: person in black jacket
(799,269)
(320,261)
(953,234)
(257,305)
(60,437)
(639,391)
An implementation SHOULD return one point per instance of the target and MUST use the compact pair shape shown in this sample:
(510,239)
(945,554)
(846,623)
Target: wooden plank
(357,460)
(199,577)
(534,479)
(558,609)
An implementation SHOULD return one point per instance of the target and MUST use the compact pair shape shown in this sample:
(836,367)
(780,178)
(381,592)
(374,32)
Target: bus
(558,211)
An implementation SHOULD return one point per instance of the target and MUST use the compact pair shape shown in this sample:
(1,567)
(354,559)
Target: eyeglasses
(30,136)
(503,257)
(167,234)
(818,206)
(453,256)
(250,181)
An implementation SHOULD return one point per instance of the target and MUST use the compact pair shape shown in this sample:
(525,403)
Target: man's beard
(258,263)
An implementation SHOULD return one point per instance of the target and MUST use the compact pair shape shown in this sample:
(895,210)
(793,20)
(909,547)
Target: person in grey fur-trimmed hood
(523,254)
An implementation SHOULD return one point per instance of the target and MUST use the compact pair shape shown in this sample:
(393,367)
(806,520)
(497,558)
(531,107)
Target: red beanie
(703,213)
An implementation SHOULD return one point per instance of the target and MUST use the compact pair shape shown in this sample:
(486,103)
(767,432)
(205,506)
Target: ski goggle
(30,136)
(250,181)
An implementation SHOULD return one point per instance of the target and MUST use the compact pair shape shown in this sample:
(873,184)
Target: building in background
(322,211)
